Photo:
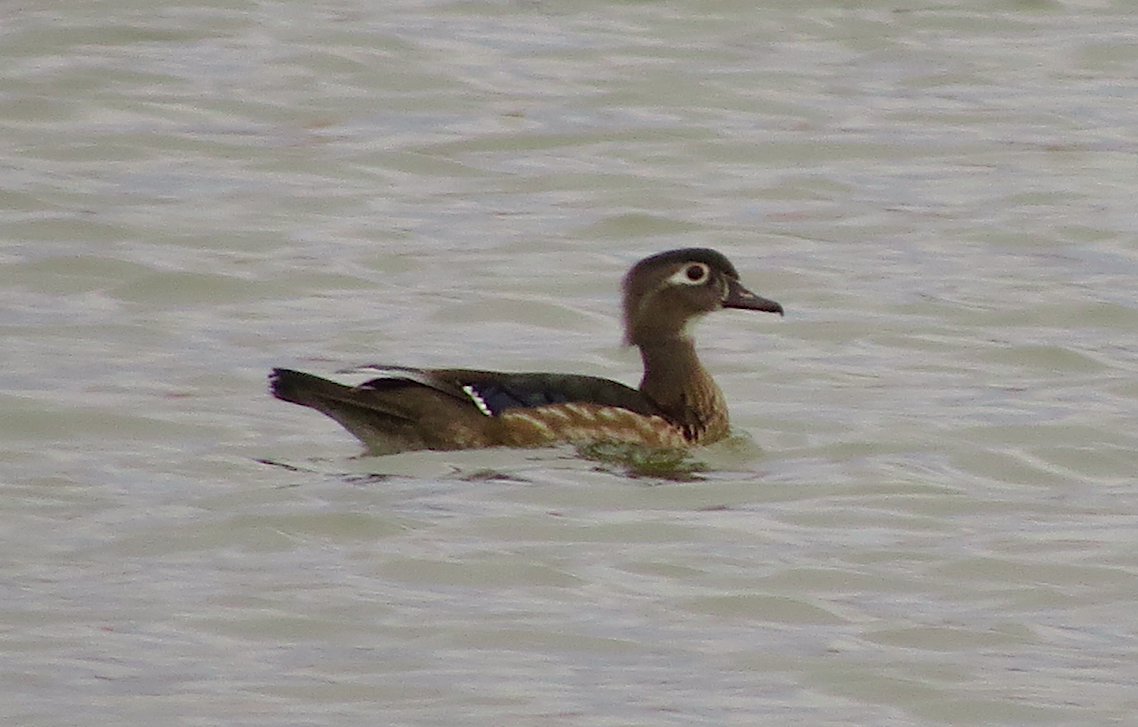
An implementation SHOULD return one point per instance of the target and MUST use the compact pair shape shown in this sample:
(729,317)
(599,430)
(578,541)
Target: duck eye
(691,274)
(696,273)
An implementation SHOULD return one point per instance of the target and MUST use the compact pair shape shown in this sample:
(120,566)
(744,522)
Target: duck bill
(740,297)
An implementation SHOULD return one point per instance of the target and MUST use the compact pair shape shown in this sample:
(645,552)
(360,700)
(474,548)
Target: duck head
(667,291)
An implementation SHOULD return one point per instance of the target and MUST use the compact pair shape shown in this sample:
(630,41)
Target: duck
(677,405)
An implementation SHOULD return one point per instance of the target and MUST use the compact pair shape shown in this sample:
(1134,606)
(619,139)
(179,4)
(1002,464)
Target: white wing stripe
(477,399)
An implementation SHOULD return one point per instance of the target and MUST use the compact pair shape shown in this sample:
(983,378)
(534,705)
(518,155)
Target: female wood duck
(677,405)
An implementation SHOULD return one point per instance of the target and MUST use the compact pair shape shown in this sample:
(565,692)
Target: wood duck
(677,405)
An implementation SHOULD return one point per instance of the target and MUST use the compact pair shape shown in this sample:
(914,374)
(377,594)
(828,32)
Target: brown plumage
(677,405)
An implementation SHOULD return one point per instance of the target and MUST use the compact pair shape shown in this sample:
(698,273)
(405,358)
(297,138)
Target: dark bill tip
(740,297)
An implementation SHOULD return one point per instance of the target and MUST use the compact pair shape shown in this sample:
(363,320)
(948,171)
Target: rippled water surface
(929,517)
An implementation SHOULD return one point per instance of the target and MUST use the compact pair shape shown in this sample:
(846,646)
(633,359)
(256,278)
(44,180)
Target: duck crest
(678,404)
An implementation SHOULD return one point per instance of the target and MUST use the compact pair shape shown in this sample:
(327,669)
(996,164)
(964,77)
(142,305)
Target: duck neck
(676,382)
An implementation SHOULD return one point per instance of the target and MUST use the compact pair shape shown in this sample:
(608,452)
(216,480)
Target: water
(934,524)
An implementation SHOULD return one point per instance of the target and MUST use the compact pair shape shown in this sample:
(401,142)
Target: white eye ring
(690,274)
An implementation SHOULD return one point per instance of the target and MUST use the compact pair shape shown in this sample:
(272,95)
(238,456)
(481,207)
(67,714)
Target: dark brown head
(665,292)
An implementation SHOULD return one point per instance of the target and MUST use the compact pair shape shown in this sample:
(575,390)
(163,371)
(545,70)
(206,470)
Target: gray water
(928,517)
